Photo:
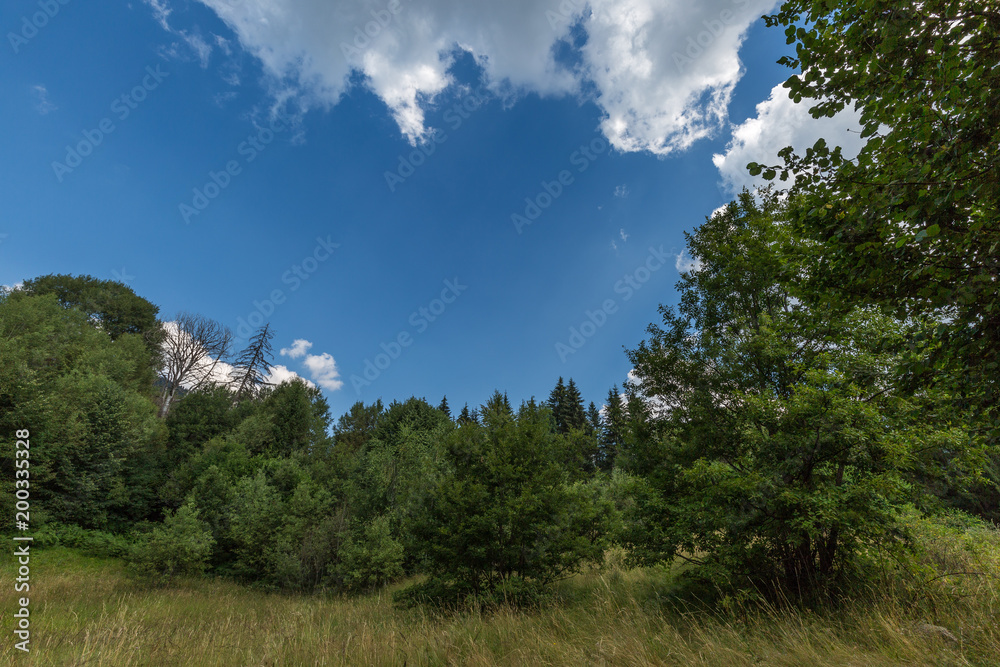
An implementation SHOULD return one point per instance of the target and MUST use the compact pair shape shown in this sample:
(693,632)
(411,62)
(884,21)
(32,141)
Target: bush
(182,545)
(373,559)
(90,542)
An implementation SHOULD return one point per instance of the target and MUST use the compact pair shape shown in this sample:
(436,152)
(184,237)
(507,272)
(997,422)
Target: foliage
(784,443)
(114,305)
(913,222)
(181,545)
(506,506)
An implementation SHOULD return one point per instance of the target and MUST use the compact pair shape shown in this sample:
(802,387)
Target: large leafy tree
(913,222)
(781,443)
(114,305)
(95,442)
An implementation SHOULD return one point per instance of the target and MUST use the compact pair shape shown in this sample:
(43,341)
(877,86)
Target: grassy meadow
(92,611)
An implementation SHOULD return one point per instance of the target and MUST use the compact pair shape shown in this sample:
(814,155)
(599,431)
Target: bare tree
(193,347)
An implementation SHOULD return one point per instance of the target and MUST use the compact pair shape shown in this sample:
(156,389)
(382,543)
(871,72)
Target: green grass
(89,611)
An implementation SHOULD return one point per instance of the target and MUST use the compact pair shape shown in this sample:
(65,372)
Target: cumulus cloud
(661,71)
(323,369)
(780,122)
(281,374)
(298,349)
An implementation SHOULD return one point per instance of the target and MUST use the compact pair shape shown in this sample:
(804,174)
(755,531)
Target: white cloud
(42,103)
(623,235)
(686,264)
(661,71)
(780,122)
(621,191)
(298,349)
(281,374)
(323,369)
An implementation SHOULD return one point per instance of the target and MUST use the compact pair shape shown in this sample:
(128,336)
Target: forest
(813,425)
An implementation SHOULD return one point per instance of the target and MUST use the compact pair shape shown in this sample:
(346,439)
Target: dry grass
(87,611)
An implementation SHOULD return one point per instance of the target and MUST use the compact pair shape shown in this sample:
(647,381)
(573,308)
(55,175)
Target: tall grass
(89,611)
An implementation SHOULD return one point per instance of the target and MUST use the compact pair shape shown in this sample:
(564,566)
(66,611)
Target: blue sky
(186,193)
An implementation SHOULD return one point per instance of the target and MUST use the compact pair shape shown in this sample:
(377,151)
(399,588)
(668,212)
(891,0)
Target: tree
(114,305)
(193,348)
(613,431)
(94,432)
(576,417)
(783,449)
(594,422)
(566,405)
(912,223)
(253,365)
(444,407)
(355,427)
(506,507)
(467,417)
(497,408)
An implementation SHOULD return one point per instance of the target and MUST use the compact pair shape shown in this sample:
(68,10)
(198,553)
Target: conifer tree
(594,426)
(574,414)
(612,433)
(253,364)
(444,406)
(467,416)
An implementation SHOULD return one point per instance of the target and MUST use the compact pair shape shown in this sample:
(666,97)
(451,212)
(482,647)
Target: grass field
(90,611)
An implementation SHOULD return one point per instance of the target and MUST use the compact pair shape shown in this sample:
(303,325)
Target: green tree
(912,223)
(467,416)
(85,399)
(506,508)
(444,407)
(780,444)
(613,431)
(117,308)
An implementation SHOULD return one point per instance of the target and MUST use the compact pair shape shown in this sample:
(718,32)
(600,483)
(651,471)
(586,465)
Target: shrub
(182,545)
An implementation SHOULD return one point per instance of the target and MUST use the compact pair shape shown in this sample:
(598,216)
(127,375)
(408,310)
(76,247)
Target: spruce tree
(593,420)
(574,414)
(466,417)
(252,366)
(444,406)
(612,433)
(557,403)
